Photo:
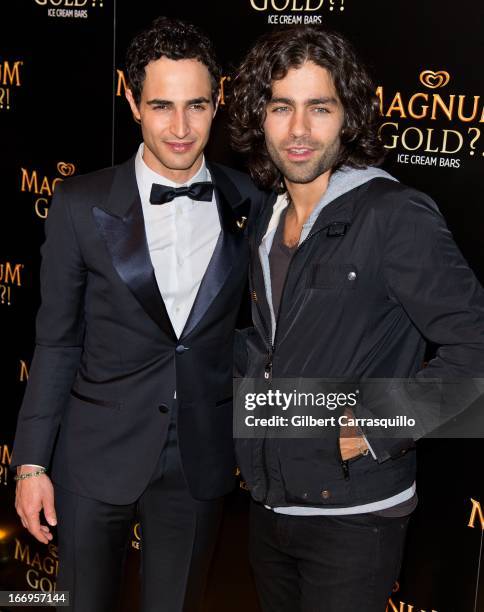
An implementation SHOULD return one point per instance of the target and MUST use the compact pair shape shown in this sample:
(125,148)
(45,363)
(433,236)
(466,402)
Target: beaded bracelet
(29,474)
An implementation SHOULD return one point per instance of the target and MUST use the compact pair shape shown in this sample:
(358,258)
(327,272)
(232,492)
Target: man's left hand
(352,447)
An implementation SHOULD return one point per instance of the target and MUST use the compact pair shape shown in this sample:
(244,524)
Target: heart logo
(434,80)
(65,169)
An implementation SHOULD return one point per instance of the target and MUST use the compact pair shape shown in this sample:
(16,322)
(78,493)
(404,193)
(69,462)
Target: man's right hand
(33,495)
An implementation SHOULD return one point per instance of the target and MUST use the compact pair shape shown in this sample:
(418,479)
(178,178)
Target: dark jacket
(107,361)
(377,277)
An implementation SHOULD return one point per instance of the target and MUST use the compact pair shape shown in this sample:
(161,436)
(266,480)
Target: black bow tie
(160,194)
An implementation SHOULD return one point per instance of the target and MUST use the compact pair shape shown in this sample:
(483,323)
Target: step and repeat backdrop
(63,112)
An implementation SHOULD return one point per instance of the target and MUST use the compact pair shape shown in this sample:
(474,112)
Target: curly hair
(273,55)
(176,40)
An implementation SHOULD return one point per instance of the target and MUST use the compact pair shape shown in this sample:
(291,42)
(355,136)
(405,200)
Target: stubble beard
(305,172)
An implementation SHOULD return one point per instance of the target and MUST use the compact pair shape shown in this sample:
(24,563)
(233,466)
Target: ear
(132,104)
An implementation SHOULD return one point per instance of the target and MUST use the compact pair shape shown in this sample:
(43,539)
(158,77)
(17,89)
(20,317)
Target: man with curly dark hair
(350,273)
(130,390)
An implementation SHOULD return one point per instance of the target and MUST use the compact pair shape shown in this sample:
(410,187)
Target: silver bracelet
(29,474)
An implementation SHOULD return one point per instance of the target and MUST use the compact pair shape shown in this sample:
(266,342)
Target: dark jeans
(178,537)
(323,563)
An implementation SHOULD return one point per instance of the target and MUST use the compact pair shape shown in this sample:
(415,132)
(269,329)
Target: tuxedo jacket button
(180,349)
(163,408)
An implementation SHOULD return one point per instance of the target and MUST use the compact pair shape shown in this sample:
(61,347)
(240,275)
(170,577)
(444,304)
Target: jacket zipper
(268,336)
(271,346)
(263,321)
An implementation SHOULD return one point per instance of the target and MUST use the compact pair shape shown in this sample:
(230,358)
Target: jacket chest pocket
(333,276)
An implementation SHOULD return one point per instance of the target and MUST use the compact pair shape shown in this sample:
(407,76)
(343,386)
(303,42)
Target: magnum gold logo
(10,276)
(422,105)
(42,569)
(5,455)
(10,73)
(296,5)
(402,606)
(434,80)
(24,371)
(122,84)
(11,273)
(286,5)
(65,169)
(333,5)
(33,181)
(300,11)
(69,8)
(476,511)
(449,116)
(5,461)
(9,77)
(136,541)
(65,3)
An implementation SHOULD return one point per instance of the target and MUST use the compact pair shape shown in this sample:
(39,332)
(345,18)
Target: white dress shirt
(181,237)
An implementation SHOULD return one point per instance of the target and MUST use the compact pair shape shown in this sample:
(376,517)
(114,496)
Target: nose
(299,123)
(179,124)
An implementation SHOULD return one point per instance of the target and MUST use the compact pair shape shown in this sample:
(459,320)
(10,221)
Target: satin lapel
(125,238)
(228,249)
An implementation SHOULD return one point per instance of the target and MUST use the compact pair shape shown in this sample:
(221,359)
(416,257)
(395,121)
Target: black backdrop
(62,112)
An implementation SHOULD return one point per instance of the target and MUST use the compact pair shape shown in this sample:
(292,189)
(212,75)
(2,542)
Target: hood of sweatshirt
(343,180)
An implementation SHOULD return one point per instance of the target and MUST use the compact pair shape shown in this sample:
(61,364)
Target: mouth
(180,147)
(299,153)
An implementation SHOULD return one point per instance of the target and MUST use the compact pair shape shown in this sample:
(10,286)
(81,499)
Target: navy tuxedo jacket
(107,361)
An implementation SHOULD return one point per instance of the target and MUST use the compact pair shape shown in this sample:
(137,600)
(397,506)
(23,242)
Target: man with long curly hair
(350,273)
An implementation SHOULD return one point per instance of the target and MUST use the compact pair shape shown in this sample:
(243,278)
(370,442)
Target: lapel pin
(241,222)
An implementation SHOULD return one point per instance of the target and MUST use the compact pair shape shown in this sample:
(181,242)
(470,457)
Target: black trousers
(325,564)
(178,535)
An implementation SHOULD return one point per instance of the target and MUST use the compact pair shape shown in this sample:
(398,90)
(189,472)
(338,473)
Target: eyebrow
(309,102)
(156,101)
